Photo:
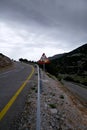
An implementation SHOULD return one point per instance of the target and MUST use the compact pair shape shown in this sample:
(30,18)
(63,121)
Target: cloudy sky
(30,27)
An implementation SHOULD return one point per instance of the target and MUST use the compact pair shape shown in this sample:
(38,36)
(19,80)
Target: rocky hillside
(72,64)
(4,61)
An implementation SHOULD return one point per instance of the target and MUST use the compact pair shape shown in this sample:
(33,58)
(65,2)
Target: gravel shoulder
(60,110)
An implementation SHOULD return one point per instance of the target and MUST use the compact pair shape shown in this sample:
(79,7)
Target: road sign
(44,59)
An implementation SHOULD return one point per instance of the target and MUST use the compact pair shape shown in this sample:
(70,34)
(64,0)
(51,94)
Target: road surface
(14,87)
(79,91)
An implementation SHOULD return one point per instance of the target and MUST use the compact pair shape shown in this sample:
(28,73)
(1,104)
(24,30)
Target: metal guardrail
(38,123)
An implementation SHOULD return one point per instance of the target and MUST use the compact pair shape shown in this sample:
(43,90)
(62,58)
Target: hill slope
(71,64)
(56,56)
(4,61)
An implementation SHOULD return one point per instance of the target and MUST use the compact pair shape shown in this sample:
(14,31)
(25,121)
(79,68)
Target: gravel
(58,110)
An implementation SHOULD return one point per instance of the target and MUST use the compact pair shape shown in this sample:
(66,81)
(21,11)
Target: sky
(29,28)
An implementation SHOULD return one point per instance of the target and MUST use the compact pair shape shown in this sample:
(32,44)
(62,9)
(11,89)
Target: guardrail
(38,123)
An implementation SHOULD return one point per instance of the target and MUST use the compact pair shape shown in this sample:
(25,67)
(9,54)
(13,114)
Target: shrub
(52,105)
(62,96)
(68,78)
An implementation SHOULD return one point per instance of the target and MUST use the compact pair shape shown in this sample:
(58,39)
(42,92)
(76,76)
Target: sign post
(43,60)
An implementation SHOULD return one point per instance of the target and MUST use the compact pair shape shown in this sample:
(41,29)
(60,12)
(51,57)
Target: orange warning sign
(44,59)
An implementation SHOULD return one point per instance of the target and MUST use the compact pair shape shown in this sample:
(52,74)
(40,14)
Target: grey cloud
(62,21)
(70,13)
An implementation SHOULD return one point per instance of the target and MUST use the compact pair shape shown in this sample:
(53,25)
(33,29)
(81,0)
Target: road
(14,87)
(79,91)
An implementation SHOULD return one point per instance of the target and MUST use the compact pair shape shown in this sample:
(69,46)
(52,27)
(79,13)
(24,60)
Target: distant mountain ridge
(56,56)
(4,61)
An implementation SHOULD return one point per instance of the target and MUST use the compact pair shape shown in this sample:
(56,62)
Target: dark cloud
(45,11)
(55,13)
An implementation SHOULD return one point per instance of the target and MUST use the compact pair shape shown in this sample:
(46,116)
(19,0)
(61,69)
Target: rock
(53,111)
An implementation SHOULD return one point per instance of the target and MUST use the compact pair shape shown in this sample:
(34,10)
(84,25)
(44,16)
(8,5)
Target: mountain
(4,61)
(56,56)
(71,64)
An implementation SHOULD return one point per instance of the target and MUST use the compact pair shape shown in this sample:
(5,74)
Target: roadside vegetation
(52,105)
(70,66)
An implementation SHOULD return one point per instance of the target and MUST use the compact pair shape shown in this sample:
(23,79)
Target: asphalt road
(13,90)
(78,90)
